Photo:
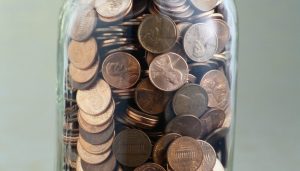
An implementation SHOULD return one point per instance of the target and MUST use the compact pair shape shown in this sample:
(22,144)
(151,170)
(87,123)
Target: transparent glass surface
(146,85)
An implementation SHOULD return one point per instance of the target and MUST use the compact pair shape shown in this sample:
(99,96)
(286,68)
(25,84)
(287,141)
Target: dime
(96,99)
(185,154)
(205,5)
(157,33)
(200,42)
(92,158)
(132,147)
(96,149)
(190,99)
(108,165)
(185,125)
(212,120)
(84,23)
(168,72)
(216,85)
(121,70)
(209,156)
(112,8)
(149,167)
(160,148)
(82,54)
(218,166)
(83,76)
(150,99)
(221,28)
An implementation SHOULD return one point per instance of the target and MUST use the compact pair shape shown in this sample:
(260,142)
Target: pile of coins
(147,86)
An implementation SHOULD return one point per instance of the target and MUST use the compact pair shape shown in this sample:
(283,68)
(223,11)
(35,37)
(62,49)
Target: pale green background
(268,123)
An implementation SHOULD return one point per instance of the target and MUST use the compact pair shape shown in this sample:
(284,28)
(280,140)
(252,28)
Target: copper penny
(216,85)
(83,76)
(168,72)
(157,33)
(112,8)
(209,156)
(212,120)
(132,147)
(108,165)
(84,22)
(82,54)
(185,154)
(205,5)
(92,158)
(150,99)
(121,70)
(150,167)
(96,99)
(160,148)
(96,149)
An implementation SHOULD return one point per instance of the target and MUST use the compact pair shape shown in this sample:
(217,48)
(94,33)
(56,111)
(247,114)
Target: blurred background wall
(268,121)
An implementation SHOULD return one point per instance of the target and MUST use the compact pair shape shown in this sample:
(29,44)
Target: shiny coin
(205,5)
(96,99)
(149,167)
(82,54)
(168,72)
(190,99)
(112,8)
(218,166)
(200,42)
(157,33)
(212,120)
(108,165)
(209,156)
(221,28)
(160,148)
(121,70)
(96,149)
(83,76)
(92,158)
(185,125)
(150,99)
(216,85)
(97,138)
(185,154)
(132,147)
(84,23)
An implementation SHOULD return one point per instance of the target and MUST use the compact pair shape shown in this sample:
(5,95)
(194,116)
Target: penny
(185,154)
(132,147)
(92,158)
(168,72)
(221,28)
(200,42)
(121,70)
(139,6)
(84,23)
(108,165)
(83,86)
(115,19)
(160,148)
(112,8)
(150,99)
(83,76)
(97,138)
(205,5)
(218,134)
(96,149)
(212,120)
(149,167)
(190,99)
(169,112)
(102,118)
(157,33)
(218,166)
(96,99)
(216,85)
(185,125)
(209,156)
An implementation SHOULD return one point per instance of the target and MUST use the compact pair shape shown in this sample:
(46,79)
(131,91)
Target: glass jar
(146,85)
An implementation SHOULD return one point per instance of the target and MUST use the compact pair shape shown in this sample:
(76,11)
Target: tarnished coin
(112,8)
(205,5)
(218,166)
(96,149)
(108,165)
(185,125)
(209,156)
(96,99)
(157,33)
(160,148)
(168,72)
(84,22)
(150,99)
(216,85)
(92,158)
(121,70)
(83,76)
(221,28)
(185,154)
(101,118)
(132,147)
(200,42)
(190,99)
(212,120)
(150,167)
(82,54)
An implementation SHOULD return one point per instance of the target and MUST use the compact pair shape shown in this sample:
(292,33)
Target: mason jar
(146,85)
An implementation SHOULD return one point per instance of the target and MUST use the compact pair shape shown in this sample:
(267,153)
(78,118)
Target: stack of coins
(147,86)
